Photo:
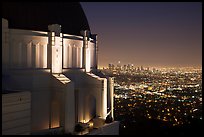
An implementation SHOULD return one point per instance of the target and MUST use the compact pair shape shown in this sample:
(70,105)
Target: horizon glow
(157,34)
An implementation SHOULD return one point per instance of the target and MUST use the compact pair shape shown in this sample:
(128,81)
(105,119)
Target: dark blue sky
(147,33)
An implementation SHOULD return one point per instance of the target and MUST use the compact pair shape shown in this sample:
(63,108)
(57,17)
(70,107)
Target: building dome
(38,15)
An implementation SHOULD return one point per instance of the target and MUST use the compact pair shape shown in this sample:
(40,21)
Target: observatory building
(50,80)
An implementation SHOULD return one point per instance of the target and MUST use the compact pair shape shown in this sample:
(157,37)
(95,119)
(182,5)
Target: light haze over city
(154,34)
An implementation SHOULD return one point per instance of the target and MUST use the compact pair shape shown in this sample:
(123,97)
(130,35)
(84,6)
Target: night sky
(152,34)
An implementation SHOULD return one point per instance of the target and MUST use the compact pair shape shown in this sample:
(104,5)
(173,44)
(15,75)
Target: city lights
(170,95)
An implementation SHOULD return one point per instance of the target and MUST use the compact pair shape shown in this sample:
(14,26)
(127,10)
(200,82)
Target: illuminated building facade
(60,71)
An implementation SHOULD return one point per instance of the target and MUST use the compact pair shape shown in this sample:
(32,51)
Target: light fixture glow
(57,56)
(88,58)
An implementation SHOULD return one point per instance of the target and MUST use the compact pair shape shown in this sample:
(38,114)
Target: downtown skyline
(153,34)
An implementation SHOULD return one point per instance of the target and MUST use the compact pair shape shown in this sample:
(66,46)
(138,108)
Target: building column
(29,55)
(55,43)
(73,56)
(37,55)
(95,51)
(70,56)
(86,53)
(19,53)
(111,93)
(33,55)
(5,44)
(104,99)
(70,114)
(24,55)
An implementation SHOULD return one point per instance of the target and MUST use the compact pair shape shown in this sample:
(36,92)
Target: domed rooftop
(38,15)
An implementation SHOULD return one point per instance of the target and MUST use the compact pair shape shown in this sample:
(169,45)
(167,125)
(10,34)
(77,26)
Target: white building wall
(91,46)
(91,96)
(38,82)
(52,103)
(62,104)
(72,53)
(69,107)
(80,105)
(26,48)
(89,101)
(57,102)
(30,49)
(41,92)
(16,113)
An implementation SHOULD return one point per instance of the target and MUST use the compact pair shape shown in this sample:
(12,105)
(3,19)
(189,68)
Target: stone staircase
(62,78)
